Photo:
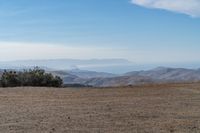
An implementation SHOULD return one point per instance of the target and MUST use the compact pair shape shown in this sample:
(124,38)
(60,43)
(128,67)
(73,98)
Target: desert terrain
(165,108)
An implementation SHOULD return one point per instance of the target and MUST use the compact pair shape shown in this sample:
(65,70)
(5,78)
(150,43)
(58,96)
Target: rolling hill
(157,75)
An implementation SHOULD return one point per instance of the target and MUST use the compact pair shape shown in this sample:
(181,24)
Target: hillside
(164,74)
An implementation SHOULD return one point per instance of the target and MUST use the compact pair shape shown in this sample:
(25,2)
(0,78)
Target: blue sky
(143,31)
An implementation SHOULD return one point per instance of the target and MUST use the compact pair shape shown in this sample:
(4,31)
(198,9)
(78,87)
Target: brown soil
(145,109)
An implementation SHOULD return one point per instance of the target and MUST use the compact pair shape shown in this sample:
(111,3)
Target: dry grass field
(144,109)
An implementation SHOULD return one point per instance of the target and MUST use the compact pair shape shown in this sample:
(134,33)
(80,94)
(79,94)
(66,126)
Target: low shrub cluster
(32,77)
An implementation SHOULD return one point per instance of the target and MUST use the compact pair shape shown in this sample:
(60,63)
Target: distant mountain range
(88,72)
(157,75)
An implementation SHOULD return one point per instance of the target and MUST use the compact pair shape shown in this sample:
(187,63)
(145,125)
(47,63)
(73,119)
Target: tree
(10,79)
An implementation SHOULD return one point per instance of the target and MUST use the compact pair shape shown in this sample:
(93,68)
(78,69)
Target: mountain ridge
(157,75)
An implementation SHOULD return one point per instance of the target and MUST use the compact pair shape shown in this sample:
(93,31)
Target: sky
(142,31)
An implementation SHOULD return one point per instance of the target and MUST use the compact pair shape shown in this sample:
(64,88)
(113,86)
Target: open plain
(165,108)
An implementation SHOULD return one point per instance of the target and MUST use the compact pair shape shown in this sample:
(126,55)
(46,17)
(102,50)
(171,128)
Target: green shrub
(32,77)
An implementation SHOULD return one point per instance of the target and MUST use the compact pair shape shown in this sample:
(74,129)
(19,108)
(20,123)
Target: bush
(32,77)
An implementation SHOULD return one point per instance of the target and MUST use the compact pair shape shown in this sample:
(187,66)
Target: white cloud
(189,7)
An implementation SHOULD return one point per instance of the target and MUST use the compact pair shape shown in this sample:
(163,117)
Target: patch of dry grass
(144,109)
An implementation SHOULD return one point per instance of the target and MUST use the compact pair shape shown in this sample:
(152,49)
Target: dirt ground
(144,109)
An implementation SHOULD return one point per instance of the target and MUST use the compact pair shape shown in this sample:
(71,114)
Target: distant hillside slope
(118,81)
(169,74)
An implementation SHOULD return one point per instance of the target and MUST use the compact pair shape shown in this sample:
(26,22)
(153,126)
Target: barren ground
(144,109)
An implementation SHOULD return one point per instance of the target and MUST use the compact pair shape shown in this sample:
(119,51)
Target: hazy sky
(145,31)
